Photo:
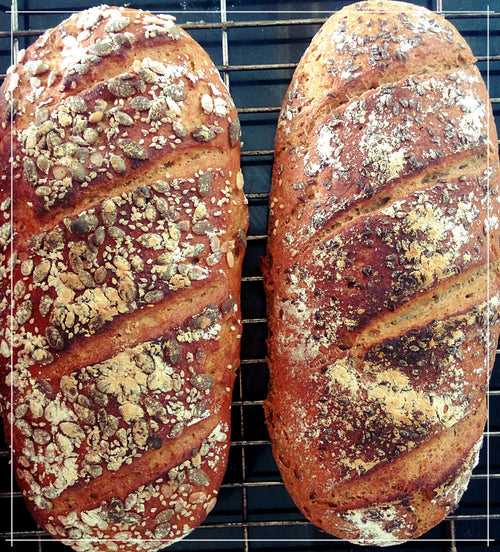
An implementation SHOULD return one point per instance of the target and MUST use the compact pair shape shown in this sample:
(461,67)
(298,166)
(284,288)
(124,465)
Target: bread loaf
(128,220)
(383,250)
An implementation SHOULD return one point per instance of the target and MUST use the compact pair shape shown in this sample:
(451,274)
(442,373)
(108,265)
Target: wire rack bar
(252,278)
(250,524)
(257,153)
(244,498)
(257,237)
(14,44)
(259,484)
(232,24)
(227,68)
(265,442)
(21,535)
(453,535)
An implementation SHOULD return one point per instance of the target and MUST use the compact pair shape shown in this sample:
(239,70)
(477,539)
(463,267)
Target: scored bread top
(372,144)
(407,77)
(383,247)
(122,109)
(128,221)
(373,43)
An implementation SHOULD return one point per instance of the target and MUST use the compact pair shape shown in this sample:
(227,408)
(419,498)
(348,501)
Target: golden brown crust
(377,263)
(373,43)
(383,226)
(357,415)
(165,509)
(129,234)
(423,485)
(363,51)
(375,143)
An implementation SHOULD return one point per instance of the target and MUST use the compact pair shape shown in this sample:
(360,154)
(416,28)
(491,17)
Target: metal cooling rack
(236,524)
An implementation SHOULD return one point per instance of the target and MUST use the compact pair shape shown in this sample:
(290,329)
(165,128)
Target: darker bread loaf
(383,248)
(128,220)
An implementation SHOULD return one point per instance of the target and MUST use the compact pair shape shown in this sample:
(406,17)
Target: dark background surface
(270,520)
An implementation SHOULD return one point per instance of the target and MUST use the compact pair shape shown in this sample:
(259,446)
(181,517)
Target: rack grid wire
(254,511)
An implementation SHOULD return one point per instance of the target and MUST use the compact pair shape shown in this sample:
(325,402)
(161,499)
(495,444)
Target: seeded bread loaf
(383,248)
(128,220)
